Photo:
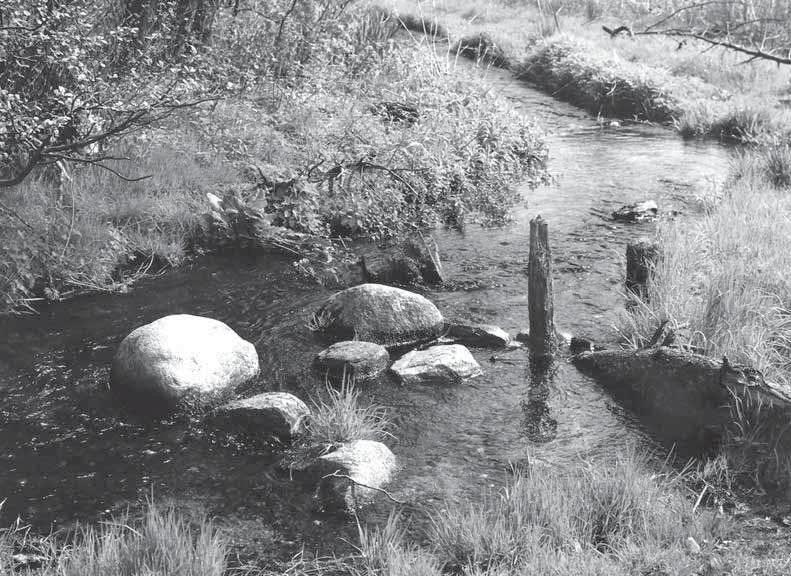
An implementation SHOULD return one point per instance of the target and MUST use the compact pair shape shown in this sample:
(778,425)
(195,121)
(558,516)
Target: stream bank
(70,455)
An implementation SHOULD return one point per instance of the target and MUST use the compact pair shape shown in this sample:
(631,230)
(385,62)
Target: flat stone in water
(354,359)
(445,364)
(484,335)
(272,413)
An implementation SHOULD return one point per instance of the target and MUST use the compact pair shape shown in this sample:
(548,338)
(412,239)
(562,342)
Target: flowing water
(67,453)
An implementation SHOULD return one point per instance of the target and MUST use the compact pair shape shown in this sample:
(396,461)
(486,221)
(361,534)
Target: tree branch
(755,53)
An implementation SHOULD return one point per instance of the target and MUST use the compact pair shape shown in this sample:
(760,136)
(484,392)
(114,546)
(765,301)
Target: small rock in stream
(361,361)
(444,364)
(483,335)
(278,414)
(354,474)
(638,212)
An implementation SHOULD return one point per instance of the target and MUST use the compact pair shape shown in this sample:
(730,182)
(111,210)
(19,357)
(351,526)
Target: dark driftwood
(687,395)
(641,258)
(539,296)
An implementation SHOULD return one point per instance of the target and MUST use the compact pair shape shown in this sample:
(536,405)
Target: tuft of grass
(777,161)
(161,542)
(340,417)
(600,508)
(385,550)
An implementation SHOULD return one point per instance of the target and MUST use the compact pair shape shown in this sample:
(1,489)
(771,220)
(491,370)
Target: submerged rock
(354,474)
(181,362)
(354,359)
(445,364)
(639,212)
(484,335)
(278,414)
(385,315)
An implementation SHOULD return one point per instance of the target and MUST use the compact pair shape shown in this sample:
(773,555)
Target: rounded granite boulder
(181,362)
(385,315)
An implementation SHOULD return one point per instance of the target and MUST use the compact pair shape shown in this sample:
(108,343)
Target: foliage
(70,81)
(309,117)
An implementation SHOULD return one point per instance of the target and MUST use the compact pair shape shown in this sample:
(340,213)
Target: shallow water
(67,453)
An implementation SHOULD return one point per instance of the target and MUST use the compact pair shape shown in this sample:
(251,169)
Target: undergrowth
(322,123)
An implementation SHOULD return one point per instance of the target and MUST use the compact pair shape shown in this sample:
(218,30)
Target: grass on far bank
(702,91)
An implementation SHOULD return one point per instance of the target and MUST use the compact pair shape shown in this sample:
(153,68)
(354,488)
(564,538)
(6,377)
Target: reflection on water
(66,452)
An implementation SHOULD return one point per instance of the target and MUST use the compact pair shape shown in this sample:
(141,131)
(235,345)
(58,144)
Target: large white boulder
(444,364)
(354,474)
(181,362)
(382,314)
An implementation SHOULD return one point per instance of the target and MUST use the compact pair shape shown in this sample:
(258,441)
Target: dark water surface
(67,453)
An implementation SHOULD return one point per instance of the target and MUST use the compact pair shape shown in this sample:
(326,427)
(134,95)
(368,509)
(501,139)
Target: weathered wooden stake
(641,258)
(539,295)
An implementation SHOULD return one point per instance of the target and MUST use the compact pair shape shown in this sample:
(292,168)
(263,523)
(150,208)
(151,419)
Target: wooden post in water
(641,257)
(539,295)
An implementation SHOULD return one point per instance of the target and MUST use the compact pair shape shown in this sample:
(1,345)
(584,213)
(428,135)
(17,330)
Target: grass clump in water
(340,417)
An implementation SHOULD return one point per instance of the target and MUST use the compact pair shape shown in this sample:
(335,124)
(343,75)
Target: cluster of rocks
(190,363)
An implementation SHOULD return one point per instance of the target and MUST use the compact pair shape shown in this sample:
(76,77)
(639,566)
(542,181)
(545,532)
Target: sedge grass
(160,543)
(339,416)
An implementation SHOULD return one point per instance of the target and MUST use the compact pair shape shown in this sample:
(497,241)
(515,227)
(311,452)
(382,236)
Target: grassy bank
(701,91)
(333,120)
(614,517)
(722,283)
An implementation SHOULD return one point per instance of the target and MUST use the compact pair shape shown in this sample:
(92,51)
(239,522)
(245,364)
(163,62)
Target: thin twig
(337,474)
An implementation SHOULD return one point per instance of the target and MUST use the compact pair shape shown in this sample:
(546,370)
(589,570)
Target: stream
(67,454)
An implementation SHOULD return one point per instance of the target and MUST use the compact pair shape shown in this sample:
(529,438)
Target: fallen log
(686,397)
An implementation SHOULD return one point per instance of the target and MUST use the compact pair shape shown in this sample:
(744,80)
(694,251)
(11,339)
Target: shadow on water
(67,453)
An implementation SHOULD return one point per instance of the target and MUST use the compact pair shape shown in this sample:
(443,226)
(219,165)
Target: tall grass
(605,517)
(340,416)
(160,543)
(722,283)
(602,508)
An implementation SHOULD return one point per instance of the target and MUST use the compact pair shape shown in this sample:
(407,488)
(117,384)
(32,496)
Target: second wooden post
(539,295)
